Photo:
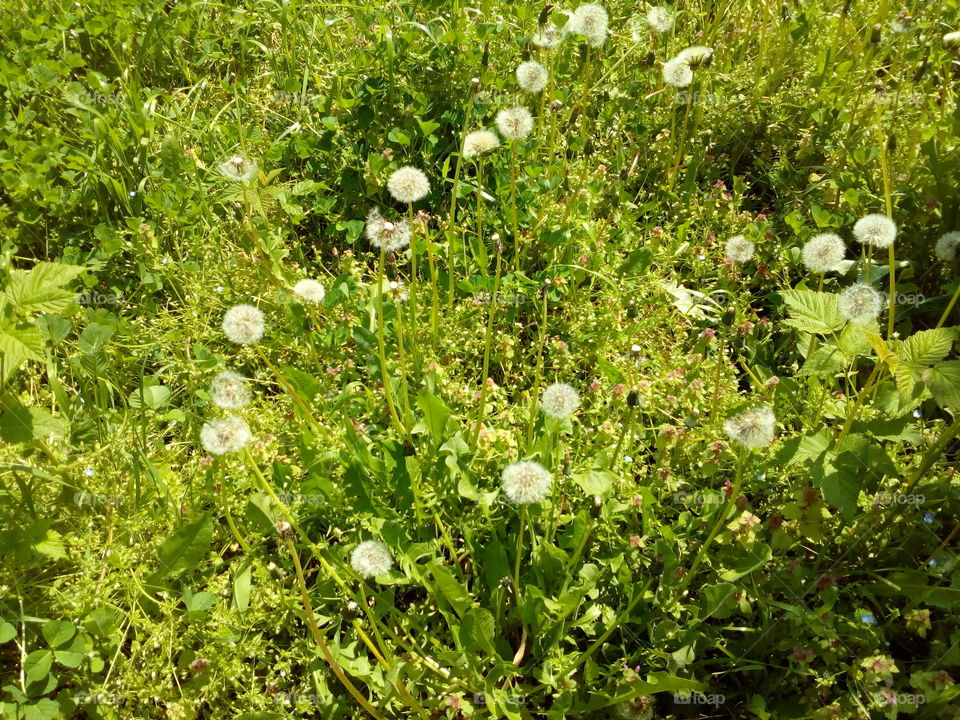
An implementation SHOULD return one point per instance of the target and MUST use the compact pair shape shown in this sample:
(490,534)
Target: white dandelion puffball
(696,55)
(659,19)
(677,73)
(514,123)
(877,230)
(385,235)
(951,40)
(239,168)
(860,303)
(947,245)
(222,436)
(228,390)
(823,253)
(478,142)
(753,428)
(371,558)
(589,20)
(739,249)
(243,324)
(408,184)
(309,290)
(546,36)
(526,482)
(559,400)
(532,76)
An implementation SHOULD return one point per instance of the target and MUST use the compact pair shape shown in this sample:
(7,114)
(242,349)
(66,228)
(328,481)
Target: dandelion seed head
(532,76)
(243,324)
(753,428)
(823,253)
(739,249)
(860,303)
(696,56)
(514,123)
(526,482)
(371,558)
(876,229)
(479,142)
(559,400)
(659,19)
(591,21)
(385,235)
(677,73)
(947,245)
(951,40)
(408,184)
(228,390)
(546,36)
(224,435)
(238,168)
(309,290)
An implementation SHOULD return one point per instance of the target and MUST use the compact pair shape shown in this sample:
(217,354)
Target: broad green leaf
(187,547)
(841,489)
(926,347)
(800,449)
(7,632)
(242,582)
(151,396)
(815,312)
(747,559)
(43,709)
(37,664)
(435,415)
(40,289)
(57,632)
(595,482)
(451,589)
(477,631)
(943,381)
(21,342)
(823,362)
(655,683)
(93,337)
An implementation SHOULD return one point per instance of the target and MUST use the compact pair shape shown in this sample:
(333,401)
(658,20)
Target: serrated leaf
(823,362)
(815,312)
(841,490)
(477,632)
(40,289)
(926,347)
(853,340)
(807,447)
(882,350)
(21,342)
(435,414)
(943,381)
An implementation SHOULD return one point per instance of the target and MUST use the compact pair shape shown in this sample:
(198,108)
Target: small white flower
(408,184)
(479,142)
(514,123)
(532,76)
(559,400)
(243,324)
(309,290)
(591,21)
(221,436)
(228,390)
(860,303)
(753,428)
(696,55)
(947,245)
(371,558)
(877,230)
(677,73)
(659,19)
(823,253)
(739,249)
(239,168)
(526,482)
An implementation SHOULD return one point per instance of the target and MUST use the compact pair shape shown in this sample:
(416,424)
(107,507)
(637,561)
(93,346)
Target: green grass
(812,577)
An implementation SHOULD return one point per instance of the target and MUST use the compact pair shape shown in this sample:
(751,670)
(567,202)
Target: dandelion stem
(486,352)
(229,516)
(538,374)
(413,282)
(513,204)
(885,171)
(946,313)
(381,322)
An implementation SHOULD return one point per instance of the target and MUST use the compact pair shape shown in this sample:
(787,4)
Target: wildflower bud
(772,382)
(198,666)
(635,541)
(283,529)
(892,144)
(951,40)
(351,610)
(875,33)
(633,399)
(555,106)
